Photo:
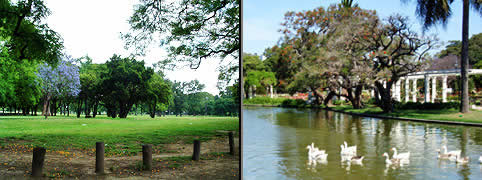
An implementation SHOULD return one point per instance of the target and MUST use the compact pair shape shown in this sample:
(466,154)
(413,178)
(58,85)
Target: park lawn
(474,116)
(121,136)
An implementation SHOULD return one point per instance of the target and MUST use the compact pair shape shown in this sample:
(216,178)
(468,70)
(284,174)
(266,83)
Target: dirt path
(214,164)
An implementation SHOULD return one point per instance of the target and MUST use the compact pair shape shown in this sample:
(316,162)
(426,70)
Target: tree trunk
(152,109)
(36,108)
(328,98)
(45,111)
(377,96)
(87,108)
(124,109)
(79,107)
(386,99)
(68,109)
(96,104)
(465,60)
(53,108)
(355,97)
(318,98)
(63,107)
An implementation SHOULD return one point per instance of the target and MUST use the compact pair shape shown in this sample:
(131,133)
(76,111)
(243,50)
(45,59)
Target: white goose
(443,156)
(389,161)
(346,153)
(401,156)
(357,159)
(316,150)
(452,153)
(463,160)
(315,154)
(480,159)
(351,149)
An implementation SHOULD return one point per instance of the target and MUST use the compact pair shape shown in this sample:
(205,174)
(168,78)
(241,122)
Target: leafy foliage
(475,50)
(432,12)
(24,33)
(125,83)
(160,94)
(192,29)
(60,81)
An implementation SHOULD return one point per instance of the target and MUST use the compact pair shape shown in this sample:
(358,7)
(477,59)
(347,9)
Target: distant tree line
(35,75)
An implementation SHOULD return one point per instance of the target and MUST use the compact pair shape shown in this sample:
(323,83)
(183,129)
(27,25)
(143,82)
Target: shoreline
(380,116)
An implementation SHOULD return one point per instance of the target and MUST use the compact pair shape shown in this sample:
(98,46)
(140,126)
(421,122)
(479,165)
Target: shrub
(264,100)
(371,101)
(337,102)
(294,103)
(427,106)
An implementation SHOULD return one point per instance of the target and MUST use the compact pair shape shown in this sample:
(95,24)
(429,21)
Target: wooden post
(99,157)
(231,143)
(147,156)
(38,161)
(197,149)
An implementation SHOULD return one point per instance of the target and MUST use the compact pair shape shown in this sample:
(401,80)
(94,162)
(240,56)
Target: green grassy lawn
(444,114)
(121,136)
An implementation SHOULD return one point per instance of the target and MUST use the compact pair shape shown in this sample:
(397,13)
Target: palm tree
(348,3)
(433,12)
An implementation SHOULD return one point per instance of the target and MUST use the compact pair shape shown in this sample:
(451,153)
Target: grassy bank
(442,114)
(446,114)
(121,136)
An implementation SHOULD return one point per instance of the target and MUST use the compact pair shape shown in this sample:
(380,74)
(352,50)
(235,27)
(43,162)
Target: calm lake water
(275,140)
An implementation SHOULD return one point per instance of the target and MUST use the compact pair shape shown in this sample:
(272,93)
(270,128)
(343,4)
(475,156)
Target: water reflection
(275,141)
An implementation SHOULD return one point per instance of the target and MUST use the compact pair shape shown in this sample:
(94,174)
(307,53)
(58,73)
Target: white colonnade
(430,84)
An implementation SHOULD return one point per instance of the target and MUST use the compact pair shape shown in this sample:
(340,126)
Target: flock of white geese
(349,154)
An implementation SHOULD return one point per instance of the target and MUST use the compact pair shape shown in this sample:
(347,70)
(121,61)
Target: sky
(262,19)
(93,28)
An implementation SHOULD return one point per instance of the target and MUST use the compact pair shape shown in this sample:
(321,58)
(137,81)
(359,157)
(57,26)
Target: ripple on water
(275,141)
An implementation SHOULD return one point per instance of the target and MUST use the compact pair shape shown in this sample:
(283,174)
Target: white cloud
(93,27)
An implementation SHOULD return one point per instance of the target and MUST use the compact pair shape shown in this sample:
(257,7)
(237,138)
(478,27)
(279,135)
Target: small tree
(159,94)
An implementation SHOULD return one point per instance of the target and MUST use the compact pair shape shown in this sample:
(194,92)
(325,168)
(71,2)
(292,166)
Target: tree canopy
(192,29)
(24,33)
(125,83)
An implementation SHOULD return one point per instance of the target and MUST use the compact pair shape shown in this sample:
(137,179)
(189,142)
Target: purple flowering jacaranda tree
(59,82)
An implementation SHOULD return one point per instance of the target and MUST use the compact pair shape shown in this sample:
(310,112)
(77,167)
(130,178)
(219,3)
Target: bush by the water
(427,106)
(338,102)
(264,100)
(294,103)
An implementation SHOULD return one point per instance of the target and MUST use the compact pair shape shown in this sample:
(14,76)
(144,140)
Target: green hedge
(427,106)
(294,103)
(264,100)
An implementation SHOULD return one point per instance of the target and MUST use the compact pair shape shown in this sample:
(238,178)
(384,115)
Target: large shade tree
(323,53)
(433,12)
(91,86)
(125,83)
(395,51)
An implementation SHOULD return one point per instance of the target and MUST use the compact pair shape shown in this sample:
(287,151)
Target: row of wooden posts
(39,156)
